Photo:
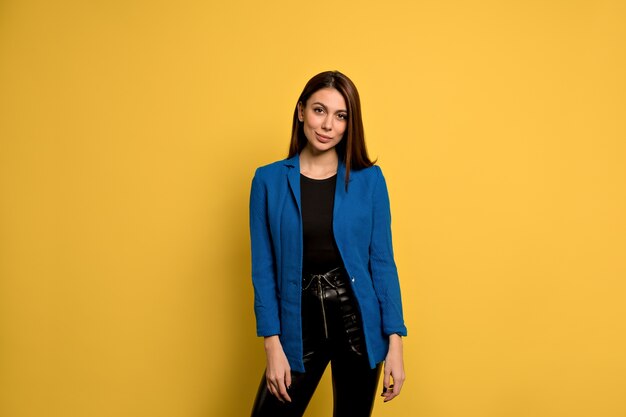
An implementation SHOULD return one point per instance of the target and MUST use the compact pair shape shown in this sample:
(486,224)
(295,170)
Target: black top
(320,253)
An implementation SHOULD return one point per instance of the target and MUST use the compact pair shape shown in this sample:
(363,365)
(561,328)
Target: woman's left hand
(394,369)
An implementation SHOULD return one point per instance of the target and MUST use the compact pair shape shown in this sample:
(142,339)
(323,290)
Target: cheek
(309,127)
(311,121)
(341,129)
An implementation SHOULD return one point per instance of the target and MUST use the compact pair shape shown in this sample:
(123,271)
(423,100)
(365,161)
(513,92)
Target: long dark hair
(351,150)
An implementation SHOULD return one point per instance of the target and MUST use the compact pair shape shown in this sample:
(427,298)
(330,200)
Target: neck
(318,165)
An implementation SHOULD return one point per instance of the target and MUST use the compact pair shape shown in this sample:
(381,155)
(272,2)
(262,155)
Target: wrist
(270,342)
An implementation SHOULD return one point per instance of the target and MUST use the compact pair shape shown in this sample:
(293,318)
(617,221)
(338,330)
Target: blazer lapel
(340,190)
(293,176)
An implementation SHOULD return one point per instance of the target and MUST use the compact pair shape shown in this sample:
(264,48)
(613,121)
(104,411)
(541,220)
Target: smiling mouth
(322,137)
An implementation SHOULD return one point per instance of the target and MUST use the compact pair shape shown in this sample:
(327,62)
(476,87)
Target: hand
(394,369)
(278,371)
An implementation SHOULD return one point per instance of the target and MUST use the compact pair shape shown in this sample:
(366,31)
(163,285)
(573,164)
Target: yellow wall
(129,132)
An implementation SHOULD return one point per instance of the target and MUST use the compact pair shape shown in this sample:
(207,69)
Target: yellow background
(129,133)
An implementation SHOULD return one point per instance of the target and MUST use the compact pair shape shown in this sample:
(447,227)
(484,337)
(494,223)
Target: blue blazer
(362,229)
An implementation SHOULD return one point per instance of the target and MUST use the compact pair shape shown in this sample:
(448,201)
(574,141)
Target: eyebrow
(324,106)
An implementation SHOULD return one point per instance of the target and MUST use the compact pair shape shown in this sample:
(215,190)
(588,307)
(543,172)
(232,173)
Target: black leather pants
(332,332)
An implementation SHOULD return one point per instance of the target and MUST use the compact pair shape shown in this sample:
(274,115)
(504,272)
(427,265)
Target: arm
(394,369)
(277,371)
(266,306)
(387,287)
(382,264)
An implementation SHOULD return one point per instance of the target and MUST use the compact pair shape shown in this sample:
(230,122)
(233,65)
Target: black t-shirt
(320,250)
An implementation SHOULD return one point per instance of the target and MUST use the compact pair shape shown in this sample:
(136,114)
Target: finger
(398,383)
(386,378)
(389,396)
(282,390)
(396,387)
(273,391)
(288,378)
(386,389)
(387,393)
(273,387)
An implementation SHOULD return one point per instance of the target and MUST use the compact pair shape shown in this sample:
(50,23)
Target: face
(324,117)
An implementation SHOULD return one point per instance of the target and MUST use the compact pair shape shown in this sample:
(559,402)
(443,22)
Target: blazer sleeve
(266,306)
(382,264)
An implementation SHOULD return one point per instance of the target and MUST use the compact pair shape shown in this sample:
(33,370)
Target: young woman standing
(325,281)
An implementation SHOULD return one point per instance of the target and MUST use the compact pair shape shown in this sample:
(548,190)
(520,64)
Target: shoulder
(272,170)
(369,181)
(369,174)
(273,167)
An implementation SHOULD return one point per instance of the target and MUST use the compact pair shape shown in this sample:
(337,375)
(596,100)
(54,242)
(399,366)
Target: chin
(323,148)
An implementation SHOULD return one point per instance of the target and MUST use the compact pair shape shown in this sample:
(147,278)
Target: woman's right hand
(278,372)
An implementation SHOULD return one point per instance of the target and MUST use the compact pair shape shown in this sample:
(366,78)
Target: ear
(300,111)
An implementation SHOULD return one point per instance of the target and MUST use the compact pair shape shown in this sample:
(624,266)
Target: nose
(327,123)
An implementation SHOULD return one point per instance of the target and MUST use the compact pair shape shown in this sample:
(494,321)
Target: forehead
(329,97)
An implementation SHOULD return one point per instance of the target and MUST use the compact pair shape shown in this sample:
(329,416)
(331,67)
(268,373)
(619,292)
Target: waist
(335,278)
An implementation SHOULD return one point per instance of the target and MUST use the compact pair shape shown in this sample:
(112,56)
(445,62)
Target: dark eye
(318,110)
(342,116)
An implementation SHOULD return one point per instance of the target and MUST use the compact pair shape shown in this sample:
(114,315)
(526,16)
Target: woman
(325,281)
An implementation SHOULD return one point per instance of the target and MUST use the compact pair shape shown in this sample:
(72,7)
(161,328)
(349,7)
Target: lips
(322,138)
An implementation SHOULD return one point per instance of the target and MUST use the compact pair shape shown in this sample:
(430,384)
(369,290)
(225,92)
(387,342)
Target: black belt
(332,279)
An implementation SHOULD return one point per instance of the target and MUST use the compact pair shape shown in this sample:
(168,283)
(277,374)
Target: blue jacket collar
(294,162)
(293,176)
